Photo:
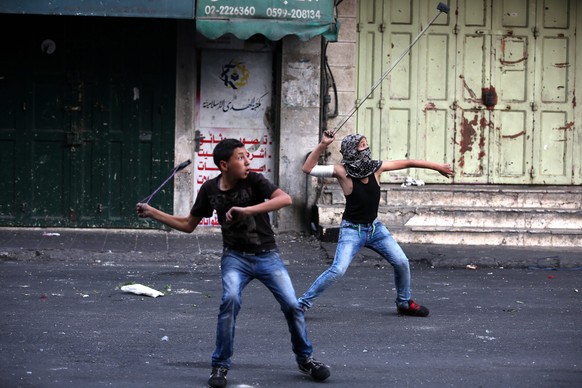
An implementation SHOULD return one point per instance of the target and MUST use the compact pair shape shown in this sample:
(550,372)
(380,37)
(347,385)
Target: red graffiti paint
(429,106)
(468,134)
(569,126)
(515,136)
(504,62)
(467,88)
(484,124)
(462,161)
(503,47)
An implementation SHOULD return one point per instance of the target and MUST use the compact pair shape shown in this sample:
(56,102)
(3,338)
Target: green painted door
(408,115)
(521,54)
(86,119)
(489,88)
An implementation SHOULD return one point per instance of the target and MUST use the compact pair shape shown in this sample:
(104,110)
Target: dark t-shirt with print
(252,234)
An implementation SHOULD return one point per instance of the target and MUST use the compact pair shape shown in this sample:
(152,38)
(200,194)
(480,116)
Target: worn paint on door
(408,116)
(489,88)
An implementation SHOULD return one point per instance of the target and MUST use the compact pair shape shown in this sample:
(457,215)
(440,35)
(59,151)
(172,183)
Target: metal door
(515,114)
(408,116)
(86,124)
(555,155)
(489,88)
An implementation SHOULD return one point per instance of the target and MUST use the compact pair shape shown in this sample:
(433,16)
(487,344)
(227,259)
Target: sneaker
(316,369)
(413,310)
(217,377)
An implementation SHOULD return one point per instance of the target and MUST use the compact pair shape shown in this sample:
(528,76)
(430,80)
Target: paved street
(66,323)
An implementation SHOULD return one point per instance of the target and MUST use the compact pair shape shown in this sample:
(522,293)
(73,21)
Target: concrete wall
(299,123)
(299,120)
(341,57)
(578,110)
(300,111)
(185,115)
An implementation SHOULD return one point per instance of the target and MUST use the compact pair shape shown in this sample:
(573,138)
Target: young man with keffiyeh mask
(359,177)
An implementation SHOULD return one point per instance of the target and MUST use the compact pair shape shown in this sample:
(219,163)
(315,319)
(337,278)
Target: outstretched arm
(313,157)
(390,165)
(185,224)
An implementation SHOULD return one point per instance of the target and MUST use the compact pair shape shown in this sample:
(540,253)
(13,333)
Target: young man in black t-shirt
(242,200)
(359,177)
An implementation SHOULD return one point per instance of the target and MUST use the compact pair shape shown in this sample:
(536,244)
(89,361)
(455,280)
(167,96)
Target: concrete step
(473,215)
(520,218)
(556,238)
(531,218)
(569,197)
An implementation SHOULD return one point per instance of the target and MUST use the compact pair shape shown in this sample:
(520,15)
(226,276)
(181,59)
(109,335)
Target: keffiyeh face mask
(358,164)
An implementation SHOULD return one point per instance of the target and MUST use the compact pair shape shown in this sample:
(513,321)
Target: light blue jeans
(238,269)
(352,237)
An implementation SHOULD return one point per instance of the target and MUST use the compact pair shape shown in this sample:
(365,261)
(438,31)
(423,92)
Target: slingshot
(176,169)
(442,7)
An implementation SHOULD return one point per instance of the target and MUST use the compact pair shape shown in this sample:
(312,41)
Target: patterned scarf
(358,164)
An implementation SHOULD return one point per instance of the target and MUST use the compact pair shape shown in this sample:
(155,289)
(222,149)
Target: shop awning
(178,9)
(271,18)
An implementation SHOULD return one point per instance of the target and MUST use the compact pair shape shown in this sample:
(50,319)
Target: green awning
(271,18)
(178,9)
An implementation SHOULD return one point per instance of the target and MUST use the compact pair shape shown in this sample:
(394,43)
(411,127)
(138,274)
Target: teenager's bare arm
(185,224)
(313,157)
(391,165)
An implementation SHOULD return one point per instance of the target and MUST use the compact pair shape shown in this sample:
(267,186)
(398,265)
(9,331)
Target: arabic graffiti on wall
(235,89)
(235,95)
(259,151)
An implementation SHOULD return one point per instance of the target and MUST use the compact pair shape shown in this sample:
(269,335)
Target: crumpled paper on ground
(410,181)
(140,289)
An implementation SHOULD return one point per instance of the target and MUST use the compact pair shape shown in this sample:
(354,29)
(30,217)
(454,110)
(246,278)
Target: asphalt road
(66,323)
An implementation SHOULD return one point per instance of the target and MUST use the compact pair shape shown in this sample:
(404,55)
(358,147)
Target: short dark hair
(225,149)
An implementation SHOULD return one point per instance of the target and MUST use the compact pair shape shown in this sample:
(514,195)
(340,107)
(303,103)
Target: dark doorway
(86,118)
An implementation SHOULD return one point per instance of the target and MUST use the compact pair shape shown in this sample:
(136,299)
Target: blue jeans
(352,237)
(238,269)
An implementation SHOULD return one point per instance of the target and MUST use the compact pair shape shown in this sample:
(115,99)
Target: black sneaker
(413,310)
(316,369)
(217,377)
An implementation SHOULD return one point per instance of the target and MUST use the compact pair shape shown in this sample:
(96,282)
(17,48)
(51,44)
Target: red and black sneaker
(413,310)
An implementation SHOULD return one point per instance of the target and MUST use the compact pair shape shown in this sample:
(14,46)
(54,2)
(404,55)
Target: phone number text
(275,13)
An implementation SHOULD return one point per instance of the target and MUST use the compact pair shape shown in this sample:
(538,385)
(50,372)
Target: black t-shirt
(252,234)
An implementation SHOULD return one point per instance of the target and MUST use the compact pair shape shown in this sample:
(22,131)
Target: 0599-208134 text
(275,13)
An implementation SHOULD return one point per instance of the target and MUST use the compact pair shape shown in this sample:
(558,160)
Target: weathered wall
(341,57)
(299,112)
(578,110)
(185,114)
(299,120)
(299,123)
